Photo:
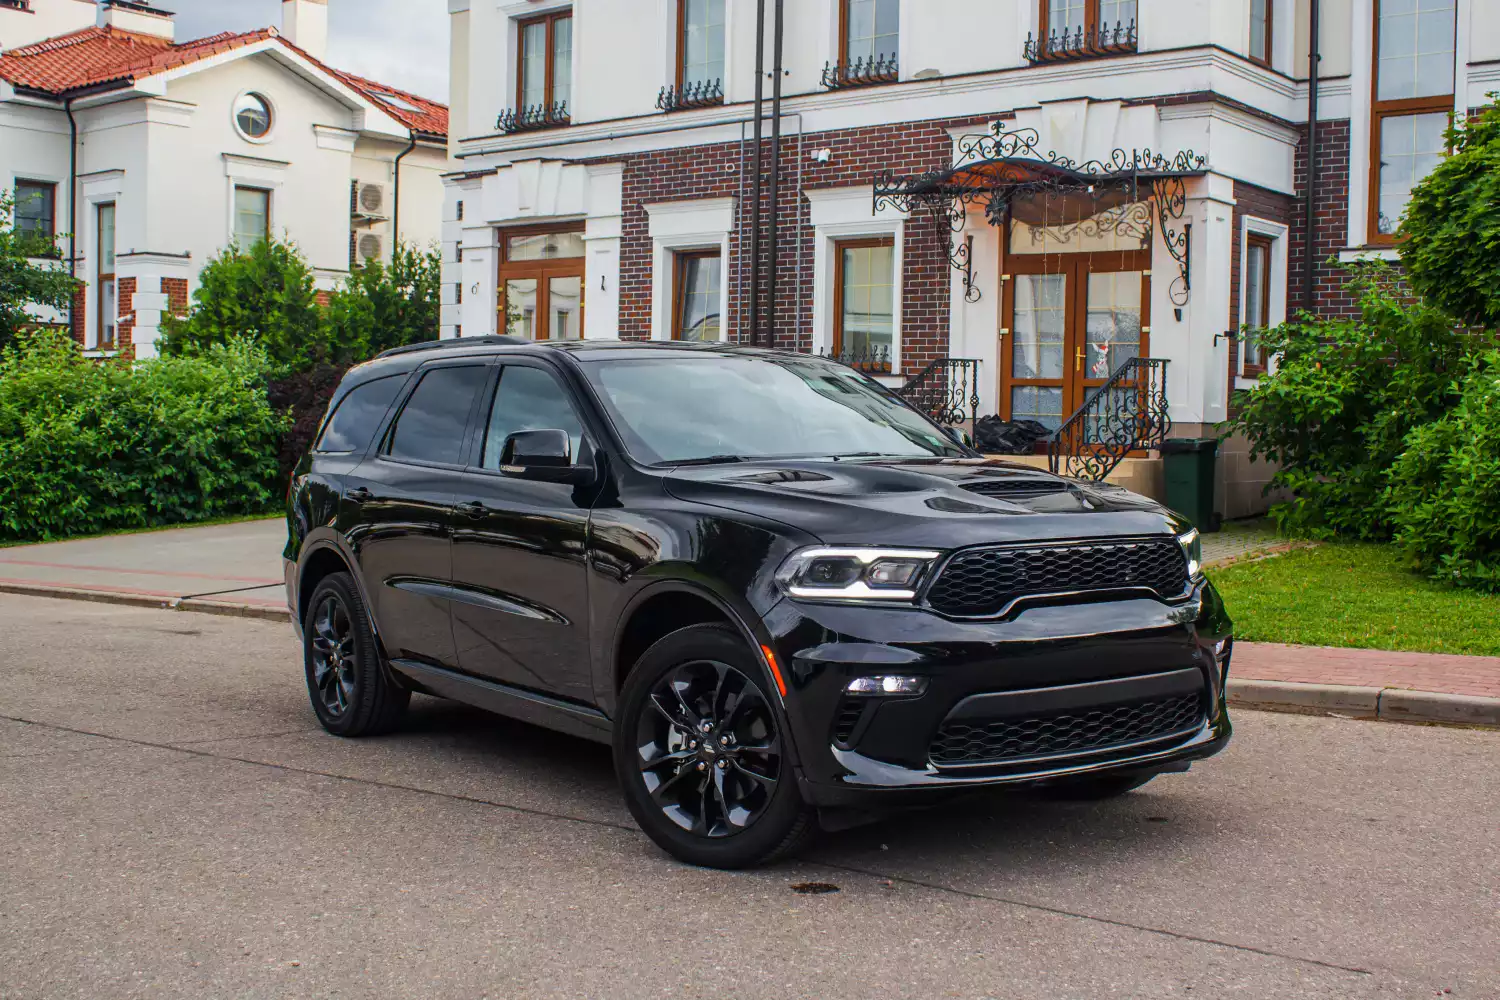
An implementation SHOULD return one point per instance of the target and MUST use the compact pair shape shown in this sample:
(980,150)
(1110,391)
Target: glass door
(541,283)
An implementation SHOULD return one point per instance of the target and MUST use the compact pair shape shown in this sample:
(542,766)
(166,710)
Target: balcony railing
(1127,413)
(1103,39)
(700,94)
(534,117)
(861,72)
(871,359)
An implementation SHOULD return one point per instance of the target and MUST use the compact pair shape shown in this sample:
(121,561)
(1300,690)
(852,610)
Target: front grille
(1078,731)
(847,719)
(983,581)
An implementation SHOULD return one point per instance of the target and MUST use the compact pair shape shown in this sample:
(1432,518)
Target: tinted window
(352,426)
(528,399)
(431,426)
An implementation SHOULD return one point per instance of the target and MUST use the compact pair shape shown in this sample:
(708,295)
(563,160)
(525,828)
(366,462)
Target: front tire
(702,753)
(350,690)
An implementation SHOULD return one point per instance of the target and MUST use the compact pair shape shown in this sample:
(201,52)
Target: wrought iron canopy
(1007,174)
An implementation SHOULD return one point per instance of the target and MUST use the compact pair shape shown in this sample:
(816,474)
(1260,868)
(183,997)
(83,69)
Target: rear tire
(351,691)
(1095,789)
(702,752)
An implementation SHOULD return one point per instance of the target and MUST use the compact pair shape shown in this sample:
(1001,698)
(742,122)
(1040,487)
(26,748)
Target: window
(1257,278)
(109,310)
(1261,15)
(36,210)
(864,307)
(252,216)
(529,399)
(700,42)
(695,310)
(541,284)
(546,64)
(870,35)
(1414,63)
(352,426)
(252,116)
(1086,16)
(431,426)
(460,211)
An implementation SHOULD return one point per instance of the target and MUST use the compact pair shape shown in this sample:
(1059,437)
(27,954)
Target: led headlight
(855,574)
(1192,547)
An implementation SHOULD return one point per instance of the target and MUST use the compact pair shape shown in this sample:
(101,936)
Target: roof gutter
(1309,262)
(72,206)
(396,195)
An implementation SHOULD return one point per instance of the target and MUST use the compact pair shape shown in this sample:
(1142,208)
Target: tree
(26,281)
(265,294)
(1451,249)
(382,307)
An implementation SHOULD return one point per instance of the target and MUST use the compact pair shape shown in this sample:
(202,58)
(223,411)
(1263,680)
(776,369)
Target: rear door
(398,505)
(520,612)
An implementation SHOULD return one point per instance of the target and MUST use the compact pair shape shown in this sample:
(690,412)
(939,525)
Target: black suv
(774,587)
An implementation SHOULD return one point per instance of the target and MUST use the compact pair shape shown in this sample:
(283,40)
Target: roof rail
(437,345)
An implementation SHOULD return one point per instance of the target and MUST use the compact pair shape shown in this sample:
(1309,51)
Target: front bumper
(1133,657)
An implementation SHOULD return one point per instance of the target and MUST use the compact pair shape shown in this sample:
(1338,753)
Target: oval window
(252,116)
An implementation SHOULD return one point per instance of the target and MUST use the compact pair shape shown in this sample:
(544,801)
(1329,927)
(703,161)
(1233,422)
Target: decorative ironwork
(533,117)
(872,358)
(1127,413)
(699,94)
(861,72)
(1005,170)
(1082,43)
(947,390)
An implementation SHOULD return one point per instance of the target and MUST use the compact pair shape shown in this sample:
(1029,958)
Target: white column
(480,268)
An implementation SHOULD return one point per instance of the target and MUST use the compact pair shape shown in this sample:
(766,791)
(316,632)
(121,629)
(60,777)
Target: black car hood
(925,503)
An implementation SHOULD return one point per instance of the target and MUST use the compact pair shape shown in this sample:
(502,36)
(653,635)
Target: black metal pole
(1309,262)
(775,209)
(755,197)
(73,218)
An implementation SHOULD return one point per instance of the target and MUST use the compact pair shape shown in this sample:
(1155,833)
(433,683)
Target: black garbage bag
(1007,437)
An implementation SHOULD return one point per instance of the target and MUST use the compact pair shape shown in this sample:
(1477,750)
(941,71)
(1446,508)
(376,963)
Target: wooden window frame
(1090,16)
(1264,59)
(1267,244)
(679,262)
(844,59)
(682,27)
(101,276)
(548,69)
(1405,107)
(857,243)
(542,271)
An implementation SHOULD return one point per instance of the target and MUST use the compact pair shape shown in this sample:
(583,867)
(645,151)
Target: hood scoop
(1017,488)
(776,477)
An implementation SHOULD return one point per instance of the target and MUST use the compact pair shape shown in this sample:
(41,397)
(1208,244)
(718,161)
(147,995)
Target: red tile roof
(104,56)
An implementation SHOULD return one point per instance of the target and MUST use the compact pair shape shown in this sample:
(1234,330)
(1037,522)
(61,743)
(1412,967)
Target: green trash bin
(1188,468)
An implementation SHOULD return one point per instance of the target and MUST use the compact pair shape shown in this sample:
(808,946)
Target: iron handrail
(859,72)
(532,117)
(695,94)
(947,390)
(1127,413)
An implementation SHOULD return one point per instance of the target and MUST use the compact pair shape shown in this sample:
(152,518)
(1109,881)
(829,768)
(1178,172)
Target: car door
(398,506)
(520,612)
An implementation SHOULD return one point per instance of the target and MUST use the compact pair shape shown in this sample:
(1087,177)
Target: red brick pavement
(1440,672)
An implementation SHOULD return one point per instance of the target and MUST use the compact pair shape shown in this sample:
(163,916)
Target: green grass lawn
(1355,595)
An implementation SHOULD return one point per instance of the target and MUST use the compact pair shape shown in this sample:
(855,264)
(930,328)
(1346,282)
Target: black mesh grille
(1016,489)
(975,741)
(983,581)
(846,719)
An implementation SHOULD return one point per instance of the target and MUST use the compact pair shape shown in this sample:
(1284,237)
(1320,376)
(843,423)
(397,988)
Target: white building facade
(145,157)
(608,176)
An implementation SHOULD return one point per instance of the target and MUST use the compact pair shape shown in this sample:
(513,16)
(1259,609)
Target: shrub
(382,307)
(88,447)
(24,281)
(264,294)
(1445,486)
(303,397)
(1346,393)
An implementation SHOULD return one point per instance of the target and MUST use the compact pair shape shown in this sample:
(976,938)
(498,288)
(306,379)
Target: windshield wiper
(707,460)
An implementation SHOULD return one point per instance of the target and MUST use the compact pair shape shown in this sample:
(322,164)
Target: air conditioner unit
(371,247)
(370,202)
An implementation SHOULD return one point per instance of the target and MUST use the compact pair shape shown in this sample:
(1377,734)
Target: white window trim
(845,214)
(701,224)
(249,171)
(1279,235)
(99,189)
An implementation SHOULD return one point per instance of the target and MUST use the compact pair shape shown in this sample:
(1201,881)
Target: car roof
(402,359)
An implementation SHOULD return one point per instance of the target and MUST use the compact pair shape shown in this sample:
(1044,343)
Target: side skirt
(518,703)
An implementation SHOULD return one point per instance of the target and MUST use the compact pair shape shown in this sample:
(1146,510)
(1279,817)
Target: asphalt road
(173,824)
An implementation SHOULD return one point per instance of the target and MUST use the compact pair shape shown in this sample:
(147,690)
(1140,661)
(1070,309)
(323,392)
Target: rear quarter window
(354,423)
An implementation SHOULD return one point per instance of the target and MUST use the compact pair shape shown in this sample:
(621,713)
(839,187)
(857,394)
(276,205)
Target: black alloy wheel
(352,692)
(701,751)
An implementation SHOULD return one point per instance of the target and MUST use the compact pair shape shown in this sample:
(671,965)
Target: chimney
(304,23)
(143,19)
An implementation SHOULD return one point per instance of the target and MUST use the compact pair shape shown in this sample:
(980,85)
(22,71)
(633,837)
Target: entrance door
(1071,320)
(541,283)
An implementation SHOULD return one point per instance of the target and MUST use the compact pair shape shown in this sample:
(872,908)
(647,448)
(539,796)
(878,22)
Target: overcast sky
(400,42)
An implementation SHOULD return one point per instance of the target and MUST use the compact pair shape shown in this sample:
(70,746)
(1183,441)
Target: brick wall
(1331,229)
(1261,204)
(78,314)
(126,308)
(177,295)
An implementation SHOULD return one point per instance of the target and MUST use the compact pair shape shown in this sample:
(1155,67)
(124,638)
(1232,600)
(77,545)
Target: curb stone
(226,608)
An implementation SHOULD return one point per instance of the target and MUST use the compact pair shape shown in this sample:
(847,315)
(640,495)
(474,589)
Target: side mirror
(542,456)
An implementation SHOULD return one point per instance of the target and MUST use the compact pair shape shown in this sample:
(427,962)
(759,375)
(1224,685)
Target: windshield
(726,408)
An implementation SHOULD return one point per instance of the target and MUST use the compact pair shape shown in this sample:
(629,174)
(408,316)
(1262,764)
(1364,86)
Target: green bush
(1445,487)
(264,294)
(24,281)
(382,307)
(1452,225)
(1336,413)
(88,447)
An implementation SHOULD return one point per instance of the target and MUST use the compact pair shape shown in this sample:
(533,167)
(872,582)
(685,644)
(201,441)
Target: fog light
(887,684)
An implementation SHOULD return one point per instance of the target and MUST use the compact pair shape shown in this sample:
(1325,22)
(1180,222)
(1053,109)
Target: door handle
(474,508)
(1078,360)
(359,495)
